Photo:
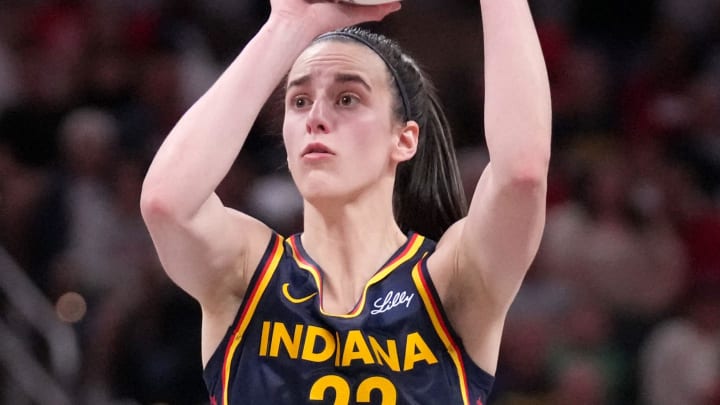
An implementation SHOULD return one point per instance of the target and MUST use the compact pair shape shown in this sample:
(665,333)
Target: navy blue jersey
(395,347)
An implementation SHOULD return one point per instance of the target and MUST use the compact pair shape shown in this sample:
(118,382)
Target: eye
(300,102)
(347,100)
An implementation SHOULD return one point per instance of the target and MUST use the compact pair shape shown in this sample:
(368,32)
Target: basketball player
(363,306)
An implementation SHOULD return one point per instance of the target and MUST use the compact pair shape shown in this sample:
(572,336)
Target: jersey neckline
(402,254)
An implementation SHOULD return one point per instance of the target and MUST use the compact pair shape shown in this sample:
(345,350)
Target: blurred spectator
(583,95)
(652,99)
(697,218)
(580,381)
(680,360)
(585,357)
(30,228)
(601,241)
(522,376)
(699,146)
(88,139)
(135,265)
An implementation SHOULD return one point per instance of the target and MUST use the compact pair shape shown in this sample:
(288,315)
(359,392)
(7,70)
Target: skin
(211,251)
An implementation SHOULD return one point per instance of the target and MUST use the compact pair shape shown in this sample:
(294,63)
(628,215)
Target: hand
(323,15)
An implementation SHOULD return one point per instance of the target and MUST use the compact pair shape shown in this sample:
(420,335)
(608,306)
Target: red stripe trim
(299,255)
(307,265)
(248,300)
(445,329)
(401,255)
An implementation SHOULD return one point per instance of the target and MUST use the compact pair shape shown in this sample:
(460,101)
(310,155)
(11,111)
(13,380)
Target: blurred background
(622,305)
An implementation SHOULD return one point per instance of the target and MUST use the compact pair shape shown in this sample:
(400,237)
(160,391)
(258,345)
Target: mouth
(316,149)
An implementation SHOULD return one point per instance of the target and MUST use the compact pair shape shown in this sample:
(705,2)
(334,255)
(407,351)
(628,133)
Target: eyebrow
(300,81)
(339,78)
(352,78)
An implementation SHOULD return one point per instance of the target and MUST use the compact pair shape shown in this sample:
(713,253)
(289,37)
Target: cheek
(372,135)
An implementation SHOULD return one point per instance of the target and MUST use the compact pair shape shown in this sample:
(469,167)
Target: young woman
(363,306)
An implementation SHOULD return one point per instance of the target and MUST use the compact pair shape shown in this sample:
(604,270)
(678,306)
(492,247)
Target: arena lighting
(71,307)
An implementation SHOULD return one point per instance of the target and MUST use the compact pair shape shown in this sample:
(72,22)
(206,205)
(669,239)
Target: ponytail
(428,195)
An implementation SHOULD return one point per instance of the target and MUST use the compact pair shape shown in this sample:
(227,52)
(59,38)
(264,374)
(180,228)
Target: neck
(350,242)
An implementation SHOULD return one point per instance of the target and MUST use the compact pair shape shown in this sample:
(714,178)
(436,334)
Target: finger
(380,11)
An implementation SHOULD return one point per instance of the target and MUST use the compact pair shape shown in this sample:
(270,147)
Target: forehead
(332,56)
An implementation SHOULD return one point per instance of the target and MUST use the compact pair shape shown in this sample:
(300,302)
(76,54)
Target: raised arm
(492,248)
(206,248)
(507,212)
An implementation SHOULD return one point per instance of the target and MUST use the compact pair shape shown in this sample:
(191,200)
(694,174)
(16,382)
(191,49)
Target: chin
(319,193)
(324,193)
(321,188)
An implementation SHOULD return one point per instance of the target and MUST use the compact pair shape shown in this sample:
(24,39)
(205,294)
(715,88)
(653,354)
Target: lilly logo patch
(392,300)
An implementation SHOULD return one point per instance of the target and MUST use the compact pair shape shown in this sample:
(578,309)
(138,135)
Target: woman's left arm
(491,249)
(505,221)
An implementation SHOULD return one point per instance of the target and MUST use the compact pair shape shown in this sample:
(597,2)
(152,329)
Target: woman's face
(340,134)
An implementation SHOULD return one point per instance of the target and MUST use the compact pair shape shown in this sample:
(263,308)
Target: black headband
(393,72)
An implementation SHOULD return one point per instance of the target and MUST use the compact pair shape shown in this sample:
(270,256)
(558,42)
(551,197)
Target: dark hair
(428,196)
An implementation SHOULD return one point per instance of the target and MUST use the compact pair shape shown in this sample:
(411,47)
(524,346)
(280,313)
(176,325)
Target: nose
(317,119)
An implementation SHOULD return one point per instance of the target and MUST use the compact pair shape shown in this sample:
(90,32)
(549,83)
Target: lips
(317,148)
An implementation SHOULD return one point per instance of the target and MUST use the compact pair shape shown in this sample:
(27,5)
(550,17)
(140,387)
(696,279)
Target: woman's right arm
(202,244)
(206,248)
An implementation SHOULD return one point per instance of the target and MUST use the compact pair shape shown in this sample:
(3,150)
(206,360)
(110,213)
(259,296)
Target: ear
(406,141)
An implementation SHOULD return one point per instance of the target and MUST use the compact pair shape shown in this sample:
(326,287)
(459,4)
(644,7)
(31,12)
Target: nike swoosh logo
(286,293)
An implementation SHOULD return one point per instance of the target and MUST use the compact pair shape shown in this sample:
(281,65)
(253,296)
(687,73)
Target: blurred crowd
(622,305)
